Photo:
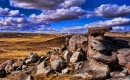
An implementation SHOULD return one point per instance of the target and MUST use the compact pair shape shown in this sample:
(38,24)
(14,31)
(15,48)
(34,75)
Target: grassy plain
(20,46)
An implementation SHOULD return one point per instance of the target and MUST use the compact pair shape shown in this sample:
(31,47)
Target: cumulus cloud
(11,13)
(45,4)
(60,14)
(112,10)
(108,23)
(120,29)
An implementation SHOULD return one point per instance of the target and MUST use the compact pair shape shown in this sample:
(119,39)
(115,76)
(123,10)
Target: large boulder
(102,49)
(41,69)
(78,41)
(97,69)
(123,56)
(57,63)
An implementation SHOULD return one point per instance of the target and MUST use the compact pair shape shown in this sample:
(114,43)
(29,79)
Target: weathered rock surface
(9,66)
(117,74)
(97,69)
(32,58)
(102,49)
(123,56)
(65,71)
(41,69)
(17,64)
(67,55)
(75,57)
(77,41)
(57,63)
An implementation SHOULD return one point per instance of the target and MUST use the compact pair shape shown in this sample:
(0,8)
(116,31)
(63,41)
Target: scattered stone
(66,70)
(17,64)
(67,55)
(32,58)
(24,67)
(57,63)
(9,66)
(56,49)
(75,57)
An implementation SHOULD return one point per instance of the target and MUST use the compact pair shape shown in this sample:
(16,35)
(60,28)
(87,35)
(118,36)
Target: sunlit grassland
(20,47)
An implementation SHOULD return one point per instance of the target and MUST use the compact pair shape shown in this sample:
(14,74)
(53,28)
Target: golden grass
(18,48)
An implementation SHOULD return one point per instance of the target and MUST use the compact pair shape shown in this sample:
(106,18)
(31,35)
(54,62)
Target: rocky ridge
(92,57)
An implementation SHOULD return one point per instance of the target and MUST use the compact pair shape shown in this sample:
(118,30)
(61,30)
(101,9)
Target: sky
(63,16)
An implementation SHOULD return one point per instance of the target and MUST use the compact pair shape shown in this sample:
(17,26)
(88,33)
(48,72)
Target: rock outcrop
(77,41)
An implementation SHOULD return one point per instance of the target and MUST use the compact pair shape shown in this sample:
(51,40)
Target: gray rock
(75,57)
(57,63)
(101,49)
(78,41)
(17,64)
(67,55)
(24,67)
(9,66)
(117,74)
(32,58)
(123,56)
(66,70)
(56,49)
(94,68)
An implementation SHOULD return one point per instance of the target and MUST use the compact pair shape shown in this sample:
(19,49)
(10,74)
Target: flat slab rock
(96,69)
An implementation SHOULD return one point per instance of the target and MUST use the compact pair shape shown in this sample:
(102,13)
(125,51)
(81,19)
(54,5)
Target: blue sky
(63,16)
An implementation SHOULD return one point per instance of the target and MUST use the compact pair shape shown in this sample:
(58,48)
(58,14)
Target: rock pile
(94,57)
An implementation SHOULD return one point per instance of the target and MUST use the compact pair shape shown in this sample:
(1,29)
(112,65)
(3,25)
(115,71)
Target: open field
(18,46)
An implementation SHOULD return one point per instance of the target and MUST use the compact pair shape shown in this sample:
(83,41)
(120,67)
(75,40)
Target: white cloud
(60,14)
(108,23)
(112,10)
(45,4)
(120,29)
(11,13)
(4,11)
